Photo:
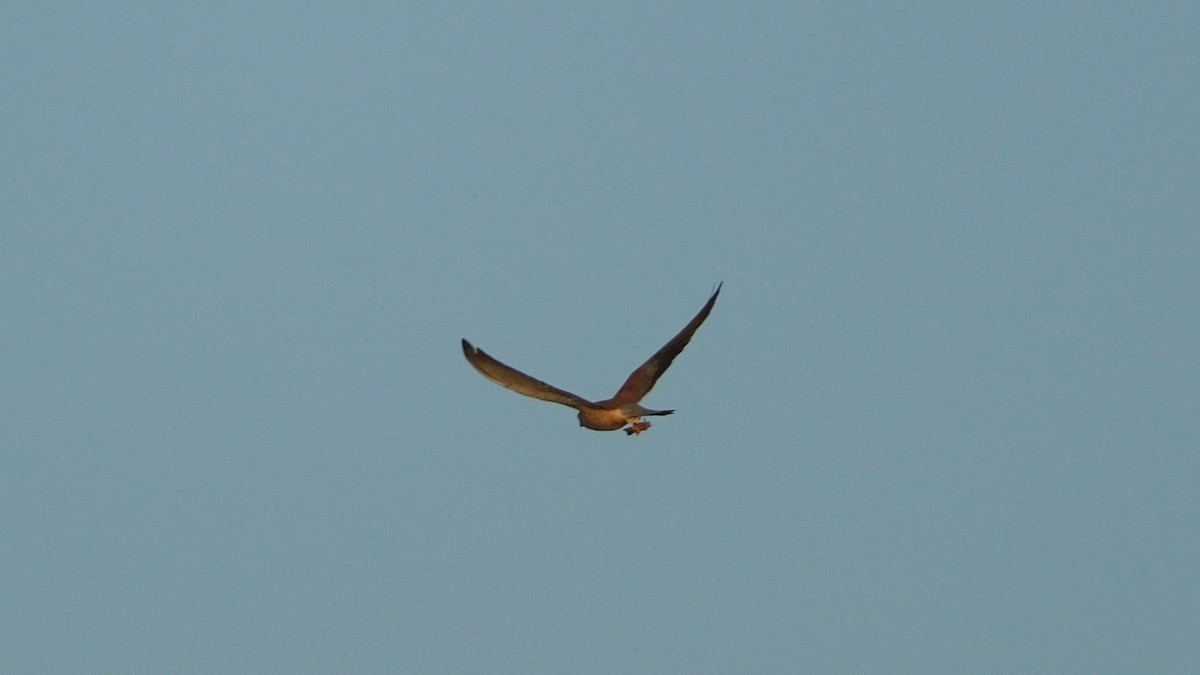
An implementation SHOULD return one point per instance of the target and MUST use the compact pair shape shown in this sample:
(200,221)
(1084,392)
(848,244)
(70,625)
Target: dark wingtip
(712,299)
(468,348)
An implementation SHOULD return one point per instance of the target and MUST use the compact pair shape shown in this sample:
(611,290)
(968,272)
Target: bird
(624,408)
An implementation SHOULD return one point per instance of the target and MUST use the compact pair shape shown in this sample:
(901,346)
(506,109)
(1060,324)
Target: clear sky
(945,417)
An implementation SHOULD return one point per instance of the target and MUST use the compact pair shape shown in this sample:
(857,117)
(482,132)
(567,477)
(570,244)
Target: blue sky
(943,418)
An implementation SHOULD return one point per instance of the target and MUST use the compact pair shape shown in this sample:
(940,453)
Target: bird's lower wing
(511,378)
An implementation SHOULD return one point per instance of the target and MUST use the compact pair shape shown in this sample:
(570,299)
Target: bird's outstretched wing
(511,378)
(642,380)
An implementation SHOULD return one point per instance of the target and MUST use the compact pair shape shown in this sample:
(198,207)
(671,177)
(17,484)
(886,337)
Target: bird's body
(607,416)
(624,408)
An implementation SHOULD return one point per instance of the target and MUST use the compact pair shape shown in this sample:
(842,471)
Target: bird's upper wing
(511,378)
(642,380)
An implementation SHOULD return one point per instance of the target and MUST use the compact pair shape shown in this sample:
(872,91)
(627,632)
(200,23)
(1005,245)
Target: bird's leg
(636,426)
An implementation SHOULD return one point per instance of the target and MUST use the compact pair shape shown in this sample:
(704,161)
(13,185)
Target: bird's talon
(637,427)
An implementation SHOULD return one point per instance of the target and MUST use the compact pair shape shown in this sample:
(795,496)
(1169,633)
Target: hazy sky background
(945,417)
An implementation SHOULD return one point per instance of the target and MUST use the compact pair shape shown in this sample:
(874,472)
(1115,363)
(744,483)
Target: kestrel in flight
(607,415)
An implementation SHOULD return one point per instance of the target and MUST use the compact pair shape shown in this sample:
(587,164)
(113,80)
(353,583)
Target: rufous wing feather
(511,378)
(642,380)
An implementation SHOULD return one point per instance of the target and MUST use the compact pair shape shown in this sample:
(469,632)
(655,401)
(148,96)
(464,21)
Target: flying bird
(607,415)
